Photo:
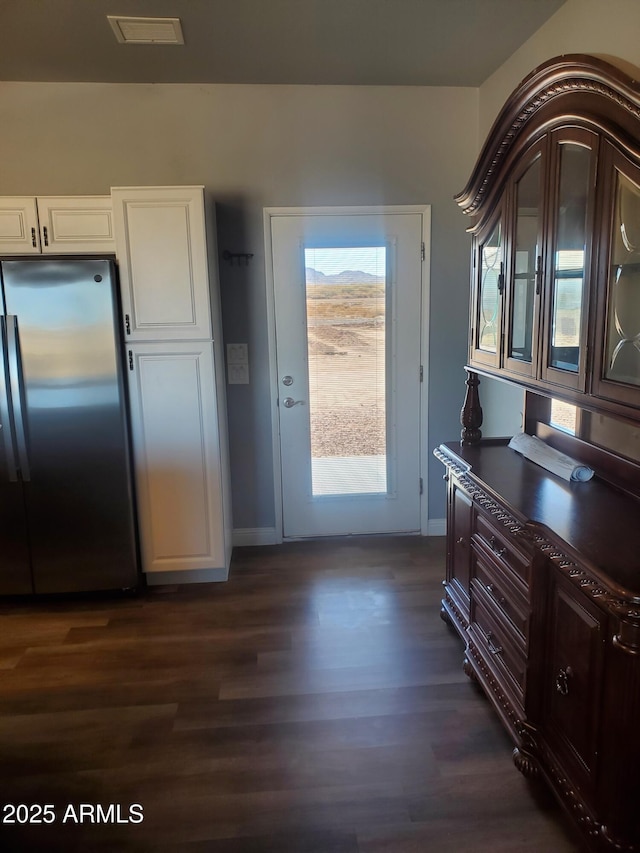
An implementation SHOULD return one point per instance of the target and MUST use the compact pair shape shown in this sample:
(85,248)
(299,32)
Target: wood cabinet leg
(468,670)
(525,763)
(524,755)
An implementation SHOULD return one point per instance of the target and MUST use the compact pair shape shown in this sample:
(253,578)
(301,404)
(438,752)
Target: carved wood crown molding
(560,77)
(625,612)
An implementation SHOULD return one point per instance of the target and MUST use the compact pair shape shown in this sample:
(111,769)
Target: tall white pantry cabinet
(166,251)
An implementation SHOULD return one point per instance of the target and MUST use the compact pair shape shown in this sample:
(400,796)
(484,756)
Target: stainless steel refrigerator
(66,505)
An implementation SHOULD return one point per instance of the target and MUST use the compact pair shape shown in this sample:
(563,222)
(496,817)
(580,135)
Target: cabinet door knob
(562,680)
(460,540)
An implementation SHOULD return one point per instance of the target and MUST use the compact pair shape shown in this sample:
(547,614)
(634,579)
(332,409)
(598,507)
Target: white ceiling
(370,42)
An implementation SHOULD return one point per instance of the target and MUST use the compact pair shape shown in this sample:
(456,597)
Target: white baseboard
(256,536)
(437,527)
(187,576)
(269,535)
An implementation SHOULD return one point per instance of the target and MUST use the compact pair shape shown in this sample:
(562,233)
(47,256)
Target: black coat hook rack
(232,257)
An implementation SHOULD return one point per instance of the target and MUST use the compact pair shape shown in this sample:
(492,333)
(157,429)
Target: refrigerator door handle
(5,418)
(13,351)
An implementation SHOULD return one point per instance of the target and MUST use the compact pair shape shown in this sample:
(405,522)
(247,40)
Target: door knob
(289,402)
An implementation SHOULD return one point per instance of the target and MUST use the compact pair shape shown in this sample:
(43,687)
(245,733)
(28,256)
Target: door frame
(270,213)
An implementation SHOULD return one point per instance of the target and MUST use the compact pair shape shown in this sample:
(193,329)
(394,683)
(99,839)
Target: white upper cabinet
(56,225)
(76,224)
(19,230)
(162,257)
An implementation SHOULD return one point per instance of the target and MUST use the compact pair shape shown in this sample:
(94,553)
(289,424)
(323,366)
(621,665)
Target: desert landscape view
(346,351)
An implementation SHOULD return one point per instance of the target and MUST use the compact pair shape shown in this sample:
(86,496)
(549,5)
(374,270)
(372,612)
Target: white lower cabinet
(177,457)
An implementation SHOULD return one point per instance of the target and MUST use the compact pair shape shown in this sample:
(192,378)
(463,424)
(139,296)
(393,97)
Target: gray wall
(606,29)
(257,146)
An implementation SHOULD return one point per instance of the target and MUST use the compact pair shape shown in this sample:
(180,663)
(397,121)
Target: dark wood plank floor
(315,703)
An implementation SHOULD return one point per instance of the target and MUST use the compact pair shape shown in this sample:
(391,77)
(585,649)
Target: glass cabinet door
(618,354)
(525,274)
(489,278)
(570,259)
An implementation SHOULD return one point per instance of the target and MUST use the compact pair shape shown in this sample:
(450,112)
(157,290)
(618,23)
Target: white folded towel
(537,451)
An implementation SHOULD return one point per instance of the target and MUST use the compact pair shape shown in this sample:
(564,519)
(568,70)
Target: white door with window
(347,297)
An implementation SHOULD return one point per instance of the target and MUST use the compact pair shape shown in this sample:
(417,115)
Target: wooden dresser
(543,574)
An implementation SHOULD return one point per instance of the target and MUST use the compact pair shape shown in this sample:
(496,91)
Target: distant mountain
(345,277)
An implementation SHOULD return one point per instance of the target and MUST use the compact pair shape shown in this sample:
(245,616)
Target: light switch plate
(238,374)
(237,354)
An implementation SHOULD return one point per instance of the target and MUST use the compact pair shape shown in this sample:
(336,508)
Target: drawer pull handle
(562,680)
(494,547)
(492,591)
(495,650)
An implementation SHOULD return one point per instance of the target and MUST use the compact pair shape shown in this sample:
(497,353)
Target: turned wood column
(471,412)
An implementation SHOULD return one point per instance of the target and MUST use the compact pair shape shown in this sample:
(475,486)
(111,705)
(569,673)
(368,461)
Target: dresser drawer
(503,549)
(498,594)
(496,645)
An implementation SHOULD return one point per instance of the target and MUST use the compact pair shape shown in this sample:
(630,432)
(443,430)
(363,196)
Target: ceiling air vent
(146,30)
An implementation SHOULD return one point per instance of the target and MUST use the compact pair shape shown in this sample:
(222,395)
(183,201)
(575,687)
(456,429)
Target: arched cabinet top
(573,89)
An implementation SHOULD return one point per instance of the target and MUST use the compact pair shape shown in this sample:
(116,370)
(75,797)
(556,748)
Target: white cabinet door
(56,224)
(162,255)
(76,224)
(19,232)
(176,447)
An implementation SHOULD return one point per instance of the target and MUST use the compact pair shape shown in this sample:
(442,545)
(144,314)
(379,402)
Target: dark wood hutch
(543,574)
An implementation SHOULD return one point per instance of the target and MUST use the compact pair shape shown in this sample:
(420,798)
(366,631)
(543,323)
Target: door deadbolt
(287,380)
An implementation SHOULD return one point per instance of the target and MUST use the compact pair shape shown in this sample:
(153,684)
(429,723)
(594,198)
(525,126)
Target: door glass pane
(623,323)
(568,282)
(346,297)
(524,278)
(490,284)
